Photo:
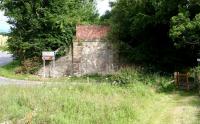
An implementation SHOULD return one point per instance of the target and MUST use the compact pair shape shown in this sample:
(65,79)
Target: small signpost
(48,56)
(197,76)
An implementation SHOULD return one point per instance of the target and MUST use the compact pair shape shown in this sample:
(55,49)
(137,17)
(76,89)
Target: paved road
(7,81)
(5,58)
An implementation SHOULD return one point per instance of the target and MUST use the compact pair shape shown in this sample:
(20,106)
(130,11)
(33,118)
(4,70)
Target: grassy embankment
(129,96)
(8,71)
(96,103)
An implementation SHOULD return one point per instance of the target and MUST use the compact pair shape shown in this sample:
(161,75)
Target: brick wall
(91,32)
(91,51)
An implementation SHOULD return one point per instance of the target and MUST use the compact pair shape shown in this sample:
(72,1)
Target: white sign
(48,54)
(198,60)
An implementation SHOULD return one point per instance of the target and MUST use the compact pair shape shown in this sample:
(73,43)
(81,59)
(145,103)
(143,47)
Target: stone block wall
(92,57)
(91,53)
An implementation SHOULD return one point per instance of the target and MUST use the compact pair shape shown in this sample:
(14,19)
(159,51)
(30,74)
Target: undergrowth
(80,103)
(132,75)
(123,77)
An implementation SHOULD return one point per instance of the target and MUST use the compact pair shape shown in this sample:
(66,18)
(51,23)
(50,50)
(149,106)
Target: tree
(39,25)
(144,26)
(185,26)
(104,19)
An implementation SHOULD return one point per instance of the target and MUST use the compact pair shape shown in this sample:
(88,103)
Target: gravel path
(7,81)
(5,58)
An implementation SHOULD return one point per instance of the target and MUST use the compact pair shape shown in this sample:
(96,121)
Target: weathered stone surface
(91,54)
(97,57)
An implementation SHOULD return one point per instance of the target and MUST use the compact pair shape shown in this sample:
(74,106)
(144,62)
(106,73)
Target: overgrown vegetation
(73,104)
(150,31)
(154,33)
(44,25)
(95,103)
(123,77)
(132,75)
(10,71)
(124,97)
(195,72)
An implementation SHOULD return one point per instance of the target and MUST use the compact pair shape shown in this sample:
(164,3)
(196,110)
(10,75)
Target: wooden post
(187,78)
(49,56)
(44,68)
(54,65)
(176,78)
(197,81)
(50,70)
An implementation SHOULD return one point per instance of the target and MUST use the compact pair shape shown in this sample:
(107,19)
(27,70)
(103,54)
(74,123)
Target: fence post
(188,86)
(44,71)
(197,81)
(176,75)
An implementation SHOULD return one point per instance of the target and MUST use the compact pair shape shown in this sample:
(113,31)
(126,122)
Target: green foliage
(125,76)
(80,103)
(195,73)
(105,19)
(72,103)
(14,69)
(44,25)
(29,66)
(131,75)
(185,31)
(144,27)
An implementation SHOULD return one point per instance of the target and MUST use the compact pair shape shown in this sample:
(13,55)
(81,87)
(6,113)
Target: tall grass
(80,103)
(9,71)
(131,75)
(123,77)
(127,97)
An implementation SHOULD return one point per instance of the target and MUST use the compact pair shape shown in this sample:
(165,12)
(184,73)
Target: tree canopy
(152,29)
(39,25)
(185,26)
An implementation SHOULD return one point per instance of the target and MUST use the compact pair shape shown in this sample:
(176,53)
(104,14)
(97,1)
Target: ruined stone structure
(91,53)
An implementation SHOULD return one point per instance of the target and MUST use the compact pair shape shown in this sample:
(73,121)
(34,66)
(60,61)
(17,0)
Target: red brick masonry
(91,32)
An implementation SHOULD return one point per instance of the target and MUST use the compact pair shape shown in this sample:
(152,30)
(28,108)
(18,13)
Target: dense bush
(195,73)
(131,75)
(144,27)
(29,66)
(125,76)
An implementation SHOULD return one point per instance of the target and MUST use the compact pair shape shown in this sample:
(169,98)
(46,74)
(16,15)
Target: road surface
(7,81)
(5,58)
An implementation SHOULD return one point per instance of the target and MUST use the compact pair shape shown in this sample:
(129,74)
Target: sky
(102,7)
(4,26)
